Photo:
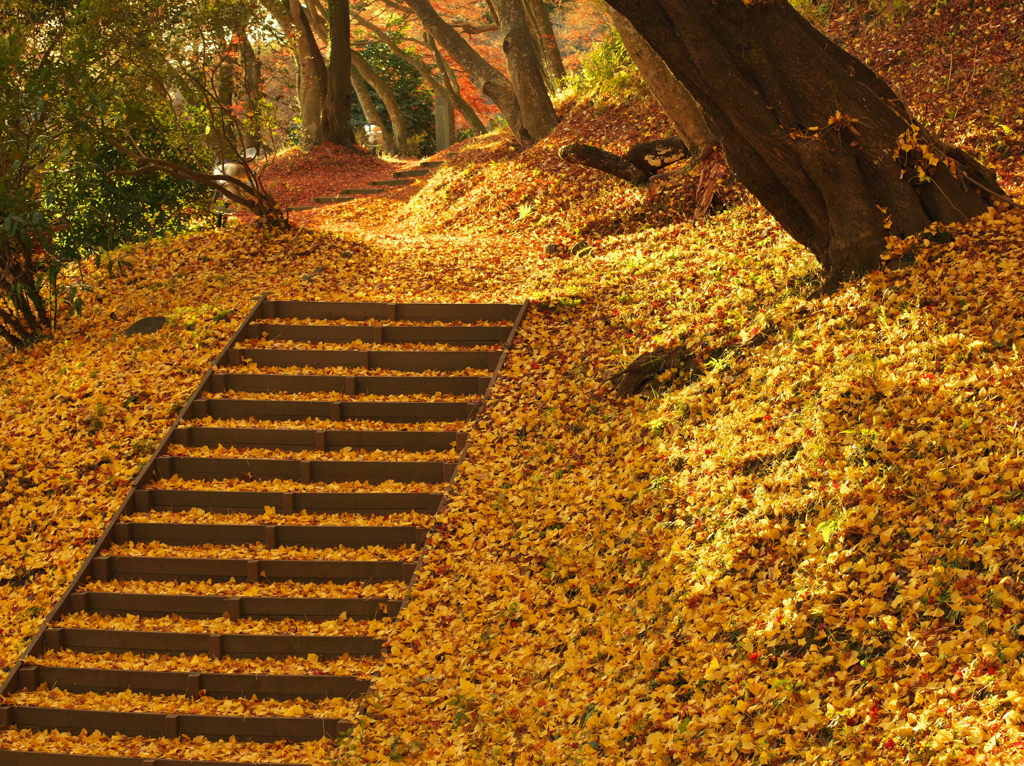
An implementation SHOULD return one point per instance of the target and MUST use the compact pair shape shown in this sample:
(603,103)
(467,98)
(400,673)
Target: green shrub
(606,70)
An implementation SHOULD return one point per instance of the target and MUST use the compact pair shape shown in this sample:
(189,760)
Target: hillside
(812,553)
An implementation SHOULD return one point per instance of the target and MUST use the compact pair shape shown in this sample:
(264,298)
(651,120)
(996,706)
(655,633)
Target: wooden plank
(306,471)
(92,641)
(383,385)
(227,501)
(296,439)
(191,607)
(217,727)
(403,361)
(386,412)
(28,758)
(305,536)
(161,568)
(474,335)
(220,685)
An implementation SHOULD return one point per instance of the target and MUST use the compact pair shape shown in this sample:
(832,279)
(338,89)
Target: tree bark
(312,76)
(551,57)
(606,162)
(435,82)
(444,121)
(637,166)
(819,139)
(447,79)
(652,156)
(681,108)
(253,118)
(370,111)
(524,68)
(489,80)
(223,95)
(337,104)
(387,95)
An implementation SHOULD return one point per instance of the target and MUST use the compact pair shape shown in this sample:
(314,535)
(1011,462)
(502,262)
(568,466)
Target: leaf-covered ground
(812,554)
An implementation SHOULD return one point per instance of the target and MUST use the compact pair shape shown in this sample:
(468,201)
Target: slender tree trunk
(337,105)
(447,80)
(370,111)
(312,76)
(436,82)
(524,67)
(492,83)
(253,117)
(387,95)
(681,108)
(820,140)
(444,121)
(550,56)
(224,95)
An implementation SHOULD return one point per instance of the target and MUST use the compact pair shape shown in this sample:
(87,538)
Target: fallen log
(641,162)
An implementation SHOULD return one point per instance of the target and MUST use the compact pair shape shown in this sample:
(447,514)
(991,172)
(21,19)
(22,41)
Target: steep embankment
(811,553)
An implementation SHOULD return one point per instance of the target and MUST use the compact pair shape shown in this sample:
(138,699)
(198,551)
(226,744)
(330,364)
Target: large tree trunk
(523,58)
(398,125)
(823,143)
(681,108)
(489,80)
(551,57)
(337,105)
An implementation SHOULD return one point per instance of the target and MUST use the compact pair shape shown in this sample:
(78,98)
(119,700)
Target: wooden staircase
(282,516)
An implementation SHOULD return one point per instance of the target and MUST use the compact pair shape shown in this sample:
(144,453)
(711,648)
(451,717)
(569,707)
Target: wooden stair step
(403,361)
(164,568)
(235,607)
(219,685)
(32,758)
(241,645)
(385,412)
(272,536)
(298,439)
(216,727)
(471,335)
(384,385)
(284,503)
(393,312)
(413,173)
(305,471)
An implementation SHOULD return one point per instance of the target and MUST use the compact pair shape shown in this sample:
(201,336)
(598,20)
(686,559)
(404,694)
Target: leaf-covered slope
(812,552)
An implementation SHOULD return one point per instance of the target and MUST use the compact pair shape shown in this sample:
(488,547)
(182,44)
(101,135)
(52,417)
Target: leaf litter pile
(811,552)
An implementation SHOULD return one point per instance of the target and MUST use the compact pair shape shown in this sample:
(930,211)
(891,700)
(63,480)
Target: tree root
(643,371)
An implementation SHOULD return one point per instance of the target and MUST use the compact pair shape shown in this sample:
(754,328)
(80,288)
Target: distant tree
(825,145)
(399,125)
(410,92)
(438,75)
(58,201)
(525,106)
(321,43)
